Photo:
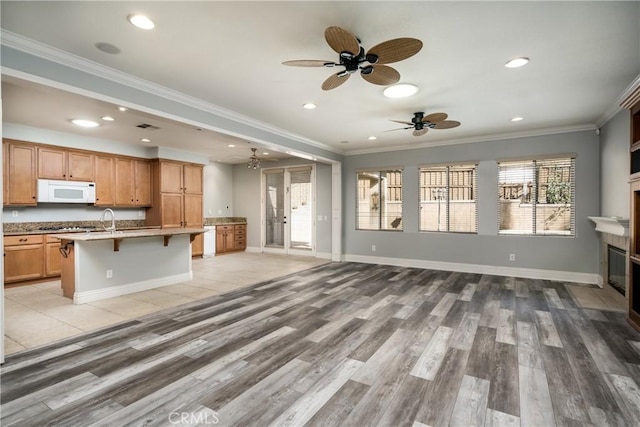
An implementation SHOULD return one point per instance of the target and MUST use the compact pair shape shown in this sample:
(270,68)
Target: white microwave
(54,191)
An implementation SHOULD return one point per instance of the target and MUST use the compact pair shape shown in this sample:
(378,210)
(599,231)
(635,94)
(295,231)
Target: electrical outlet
(14,214)
(373,248)
(220,211)
(325,218)
(140,213)
(319,217)
(210,212)
(109,274)
(512,257)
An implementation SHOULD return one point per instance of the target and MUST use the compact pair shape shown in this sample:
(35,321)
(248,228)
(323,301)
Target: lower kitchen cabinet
(197,246)
(230,238)
(23,258)
(52,257)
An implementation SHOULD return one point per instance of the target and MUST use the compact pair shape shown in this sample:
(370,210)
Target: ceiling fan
(353,57)
(421,123)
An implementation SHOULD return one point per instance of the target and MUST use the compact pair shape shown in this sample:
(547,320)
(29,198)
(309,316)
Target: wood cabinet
(230,238)
(52,257)
(132,182)
(633,103)
(23,258)
(177,186)
(105,180)
(20,177)
(55,163)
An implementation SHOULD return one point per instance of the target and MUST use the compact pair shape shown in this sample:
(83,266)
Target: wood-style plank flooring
(343,344)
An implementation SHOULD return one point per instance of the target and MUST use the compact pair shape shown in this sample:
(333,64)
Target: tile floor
(38,314)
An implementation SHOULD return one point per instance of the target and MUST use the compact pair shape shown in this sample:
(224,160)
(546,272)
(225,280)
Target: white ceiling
(583,56)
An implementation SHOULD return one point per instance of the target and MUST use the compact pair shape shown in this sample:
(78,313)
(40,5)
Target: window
(448,199)
(379,204)
(537,197)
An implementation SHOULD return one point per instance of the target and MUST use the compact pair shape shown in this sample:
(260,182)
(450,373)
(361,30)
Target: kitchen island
(99,265)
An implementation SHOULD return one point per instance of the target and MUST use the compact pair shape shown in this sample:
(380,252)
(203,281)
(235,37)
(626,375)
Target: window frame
(534,195)
(381,200)
(474,191)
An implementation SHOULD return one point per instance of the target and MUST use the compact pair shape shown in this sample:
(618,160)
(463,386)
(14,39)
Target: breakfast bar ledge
(100,265)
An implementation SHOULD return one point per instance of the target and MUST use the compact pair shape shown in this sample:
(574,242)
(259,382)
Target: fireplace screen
(616,271)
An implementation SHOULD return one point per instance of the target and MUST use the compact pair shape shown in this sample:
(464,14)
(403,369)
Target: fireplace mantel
(611,225)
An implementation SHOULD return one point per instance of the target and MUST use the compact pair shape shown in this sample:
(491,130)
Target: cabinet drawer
(241,227)
(241,232)
(224,227)
(23,240)
(51,239)
(240,238)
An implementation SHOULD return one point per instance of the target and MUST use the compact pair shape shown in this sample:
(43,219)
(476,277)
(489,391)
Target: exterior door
(289,210)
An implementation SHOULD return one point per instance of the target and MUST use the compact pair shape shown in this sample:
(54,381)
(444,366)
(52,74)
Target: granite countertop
(126,234)
(81,230)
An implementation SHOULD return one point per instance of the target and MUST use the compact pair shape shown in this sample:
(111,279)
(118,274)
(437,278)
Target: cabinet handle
(70,176)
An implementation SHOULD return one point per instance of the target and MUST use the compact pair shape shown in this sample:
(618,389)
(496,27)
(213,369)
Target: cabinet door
(52,260)
(171,209)
(22,175)
(105,181)
(142,187)
(5,173)
(171,177)
(197,246)
(124,182)
(229,241)
(192,179)
(220,241)
(80,166)
(23,262)
(192,210)
(52,163)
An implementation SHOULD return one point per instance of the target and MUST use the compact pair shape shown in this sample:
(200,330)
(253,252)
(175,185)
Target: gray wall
(218,190)
(246,200)
(576,254)
(614,163)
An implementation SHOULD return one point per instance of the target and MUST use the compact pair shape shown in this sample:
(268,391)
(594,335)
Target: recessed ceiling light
(107,48)
(517,62)
(372,138)
(402,90)
(265,154)
(85,123)
(309,106)
(145,140)
(231,145)
(517,119)
(107,118)
(122,108)
(141,21)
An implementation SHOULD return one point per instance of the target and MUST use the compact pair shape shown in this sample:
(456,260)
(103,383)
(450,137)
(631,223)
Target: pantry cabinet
(20,174)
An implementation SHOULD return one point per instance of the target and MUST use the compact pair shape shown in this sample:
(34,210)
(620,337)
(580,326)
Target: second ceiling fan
(353,57)
(421,123)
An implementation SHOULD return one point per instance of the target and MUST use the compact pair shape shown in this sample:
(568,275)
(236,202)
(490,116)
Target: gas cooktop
(66,228)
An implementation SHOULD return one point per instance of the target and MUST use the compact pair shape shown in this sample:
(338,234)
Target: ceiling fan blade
(395,50)
(435,117)
(309,63)
(382,75)
(393,130)
(403,122)
(342,40)
(335,80)
(420,132)
(447,124)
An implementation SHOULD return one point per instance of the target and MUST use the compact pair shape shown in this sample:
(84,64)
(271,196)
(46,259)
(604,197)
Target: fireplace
(616,270)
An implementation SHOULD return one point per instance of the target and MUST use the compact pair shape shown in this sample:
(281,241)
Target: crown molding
(619,104)
(41,50)
(483,138)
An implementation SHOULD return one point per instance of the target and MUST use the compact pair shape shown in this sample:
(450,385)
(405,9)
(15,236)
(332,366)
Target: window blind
(448,199)
(537,197)
(379,200)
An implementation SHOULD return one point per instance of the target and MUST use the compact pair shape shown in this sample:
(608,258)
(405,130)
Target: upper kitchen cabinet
(54,163)
(20,174)
(132,182)
(105,180)
(180,178)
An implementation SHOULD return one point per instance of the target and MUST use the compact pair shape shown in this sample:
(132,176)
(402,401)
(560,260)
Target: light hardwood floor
(347,345)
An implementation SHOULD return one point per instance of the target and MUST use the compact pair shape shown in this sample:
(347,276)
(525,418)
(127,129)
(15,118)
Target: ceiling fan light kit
(421,123)
(354,58)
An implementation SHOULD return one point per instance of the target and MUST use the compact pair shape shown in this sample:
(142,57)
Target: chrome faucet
(112,228)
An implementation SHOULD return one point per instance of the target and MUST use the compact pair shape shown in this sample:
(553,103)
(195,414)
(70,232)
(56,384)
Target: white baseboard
(255,249)
(129,288)
(600,281)
(323,255)
(528,273)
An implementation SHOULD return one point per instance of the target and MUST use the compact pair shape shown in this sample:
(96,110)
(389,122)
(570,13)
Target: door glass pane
(301,209)
(274,205)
